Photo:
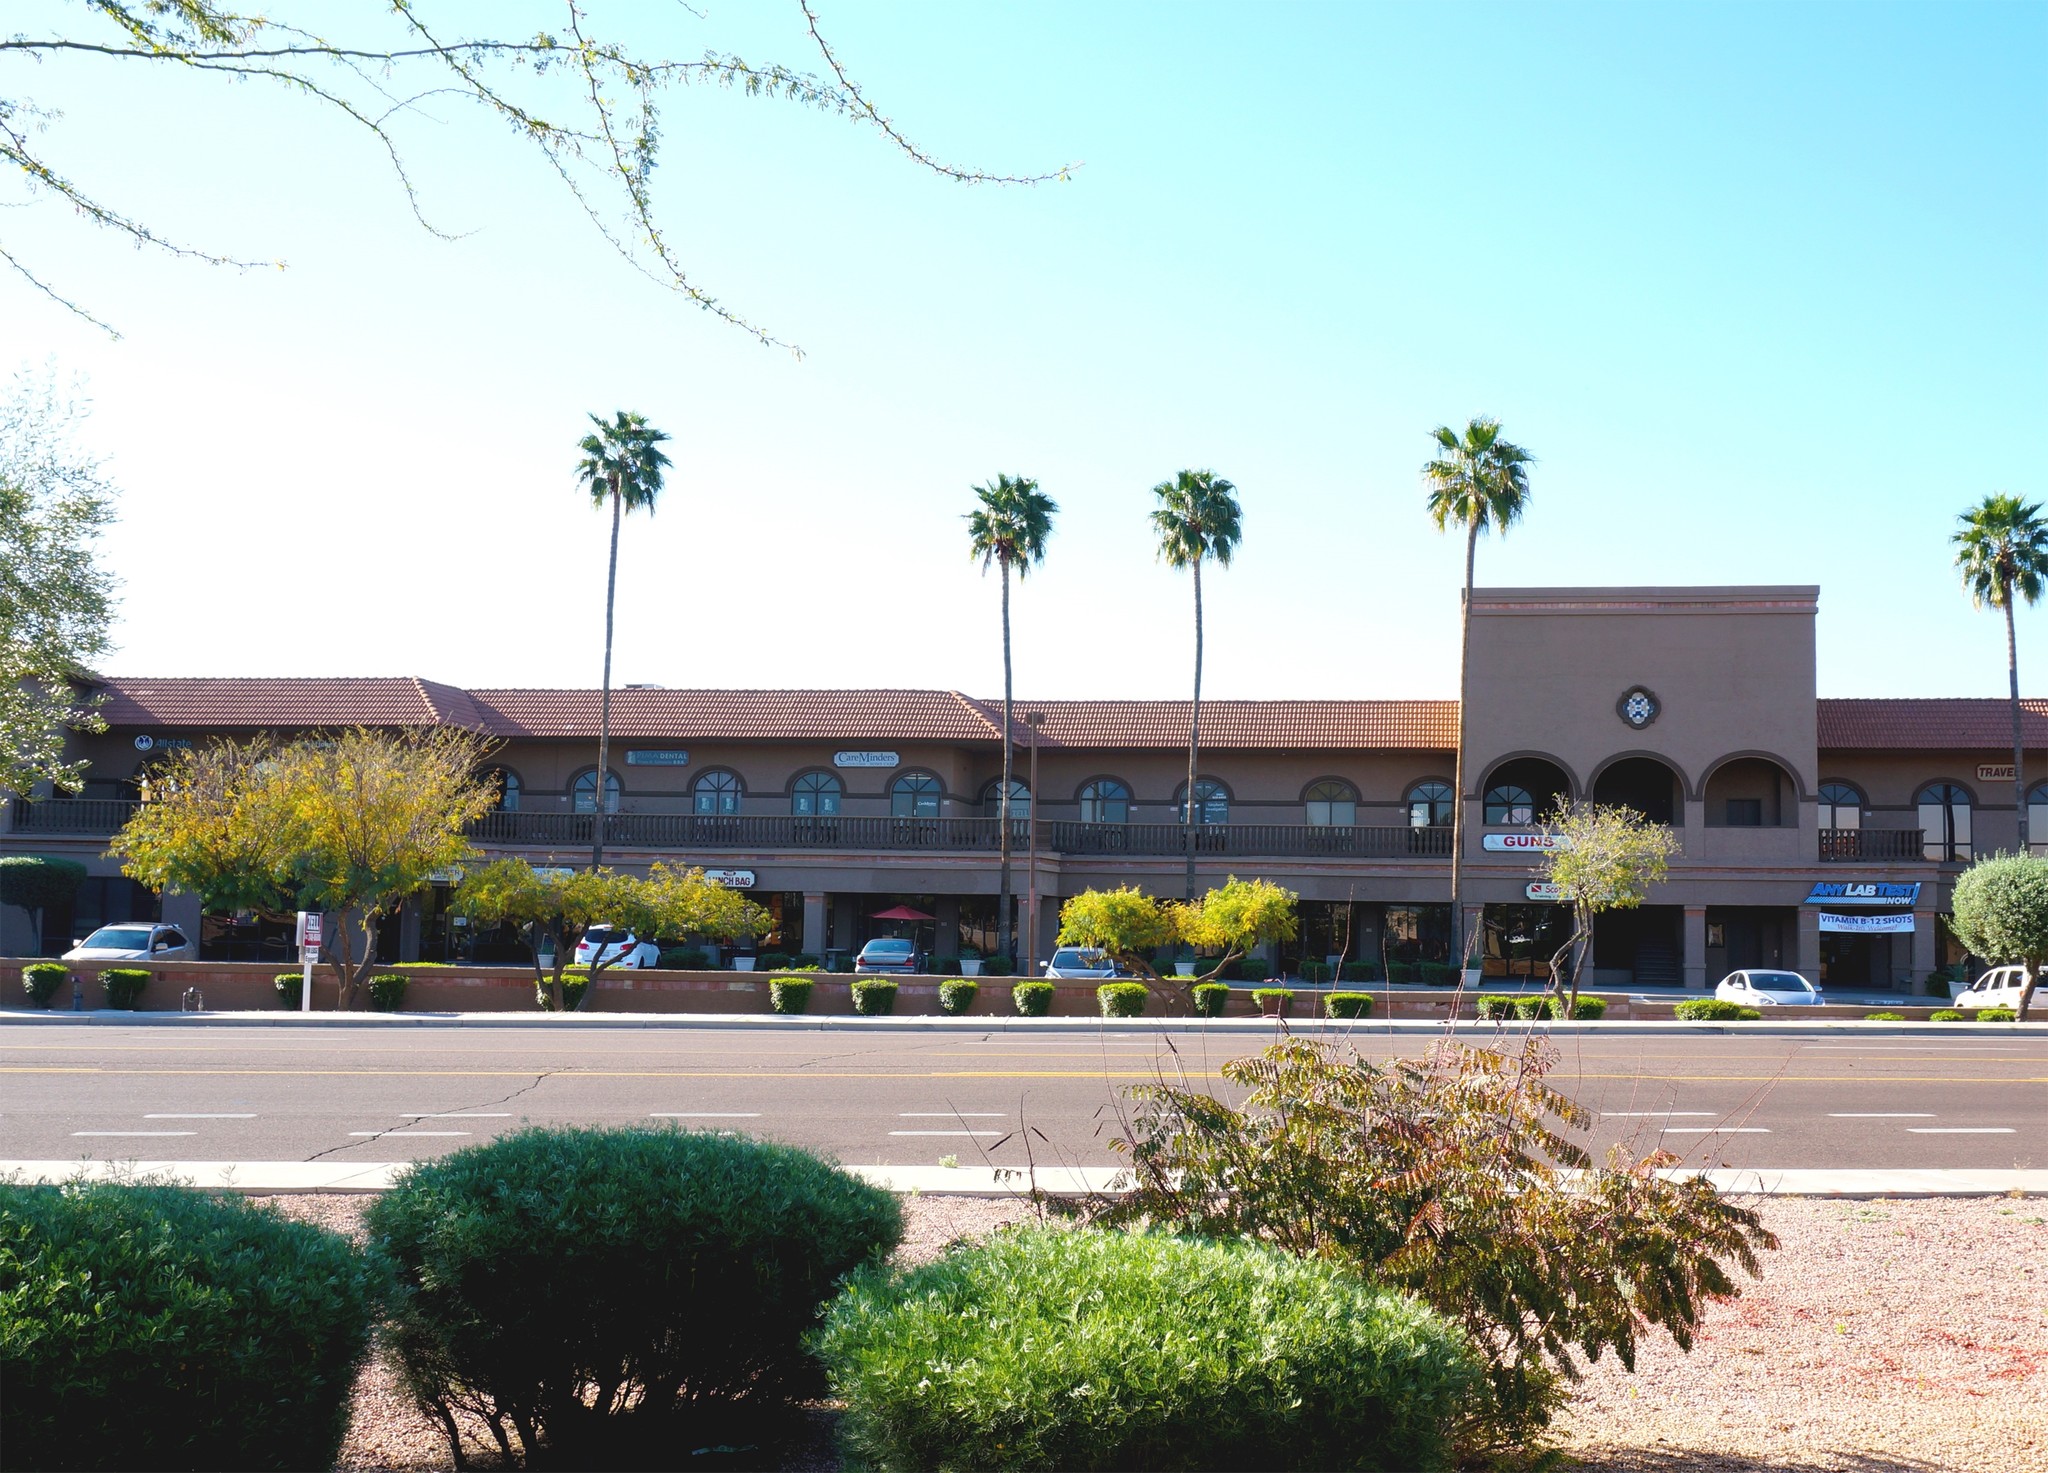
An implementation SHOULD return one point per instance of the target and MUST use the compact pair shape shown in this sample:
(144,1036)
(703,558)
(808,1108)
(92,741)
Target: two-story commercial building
(1818,834)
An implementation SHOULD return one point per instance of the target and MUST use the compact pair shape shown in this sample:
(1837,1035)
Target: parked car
(135,941)
(1998,988)
(1079,962)
(1756,988)
(890,955)
(618,948)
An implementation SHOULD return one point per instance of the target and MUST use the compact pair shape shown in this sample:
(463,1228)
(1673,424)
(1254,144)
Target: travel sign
(1861,892)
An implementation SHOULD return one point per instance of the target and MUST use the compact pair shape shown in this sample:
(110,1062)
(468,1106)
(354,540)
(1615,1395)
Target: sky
(1764,288)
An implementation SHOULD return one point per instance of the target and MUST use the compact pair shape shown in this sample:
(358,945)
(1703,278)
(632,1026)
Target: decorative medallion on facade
(1638,707)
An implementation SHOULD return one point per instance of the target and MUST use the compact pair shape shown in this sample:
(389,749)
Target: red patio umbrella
(901,913)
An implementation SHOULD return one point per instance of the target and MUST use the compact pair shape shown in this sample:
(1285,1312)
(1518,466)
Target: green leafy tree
(1131,926)
(589,105)
(552,910)
(622,464)
(2002,553)
(56,601)
(1196,517)
(2001,914)
(350,825)
(1009,529)
(34,884)
(1478,482)
(1609,859)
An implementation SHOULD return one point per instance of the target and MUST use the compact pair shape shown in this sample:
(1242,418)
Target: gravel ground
(1863,1349)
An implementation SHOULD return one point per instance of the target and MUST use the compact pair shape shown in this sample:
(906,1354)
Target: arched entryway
(1649,786)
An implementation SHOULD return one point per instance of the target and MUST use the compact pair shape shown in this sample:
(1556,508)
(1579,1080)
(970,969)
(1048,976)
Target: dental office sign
(1523,843)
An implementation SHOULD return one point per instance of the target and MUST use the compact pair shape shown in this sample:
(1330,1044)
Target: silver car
(1755,987)
(134,941)
(1083,962)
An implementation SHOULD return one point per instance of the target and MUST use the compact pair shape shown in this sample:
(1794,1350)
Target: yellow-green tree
(349,825)
(1607,858)
(1229,921)
(554,908)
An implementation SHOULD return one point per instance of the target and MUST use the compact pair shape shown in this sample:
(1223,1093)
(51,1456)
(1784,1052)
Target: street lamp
(1033,719)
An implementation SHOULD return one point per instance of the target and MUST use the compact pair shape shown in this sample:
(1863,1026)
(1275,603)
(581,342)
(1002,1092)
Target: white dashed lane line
(705,1115)
(134,1132)
(1665,1114)
(392,1133)
(945,1132)
(455,1115)
(1718,1130)
(1880,1114)
(199,1117)
(952,1115)
(1959,1130)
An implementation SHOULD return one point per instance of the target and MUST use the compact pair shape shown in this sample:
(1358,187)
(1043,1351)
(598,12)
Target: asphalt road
(912,1098)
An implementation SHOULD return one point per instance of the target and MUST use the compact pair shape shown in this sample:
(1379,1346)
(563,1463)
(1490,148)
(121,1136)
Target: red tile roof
(1956,723)
(262,703)
(741,715)
(1242,725)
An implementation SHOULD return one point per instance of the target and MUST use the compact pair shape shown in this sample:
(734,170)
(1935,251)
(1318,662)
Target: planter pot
(743,964)
(970,966)
(547,961)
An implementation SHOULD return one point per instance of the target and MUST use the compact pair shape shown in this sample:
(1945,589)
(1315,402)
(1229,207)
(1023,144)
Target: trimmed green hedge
(957,994)
(1121,999)
(1317,972)
(1281,997)
(1714,1010)
(615,1298)
(1032,999)
(1360,972)
(154,1326)
(1102,1350)
(387,992)
(874,997)
(1347,1004)
(1884,1017)
(575,982)
(1404,972)
(1540,1007)
(1946,1015)
(290,988)
(790,994)
(123,985)
(1437,974)
(1496,1005)
(1211,998)
(1996,1015)
(40,980)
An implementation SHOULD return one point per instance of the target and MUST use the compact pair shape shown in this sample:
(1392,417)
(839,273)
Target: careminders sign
(1862,892)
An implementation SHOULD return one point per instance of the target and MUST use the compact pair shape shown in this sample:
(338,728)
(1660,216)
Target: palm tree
(622,462)
(1009,529)
(1197,517)
(1479,481)
(2002,550)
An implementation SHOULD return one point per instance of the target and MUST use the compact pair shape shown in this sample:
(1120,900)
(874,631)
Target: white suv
(1998,988)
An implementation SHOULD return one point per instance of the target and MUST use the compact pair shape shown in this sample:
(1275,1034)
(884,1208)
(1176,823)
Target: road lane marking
(945,1132)
(705,1115)
(455,1115)
(1690,1114)
(134,1132)
(952,1115)
(1959,1130)
(388,1133)
(200,1117)
(1718,1130)
(1880,1114)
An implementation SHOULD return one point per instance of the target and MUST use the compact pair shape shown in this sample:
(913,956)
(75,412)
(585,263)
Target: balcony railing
(93,816)
(1870,845)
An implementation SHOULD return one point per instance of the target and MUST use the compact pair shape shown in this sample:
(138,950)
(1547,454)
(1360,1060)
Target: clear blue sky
(1764,287)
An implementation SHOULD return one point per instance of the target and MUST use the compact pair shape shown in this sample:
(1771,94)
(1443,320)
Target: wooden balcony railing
(1855,846)
(90,816)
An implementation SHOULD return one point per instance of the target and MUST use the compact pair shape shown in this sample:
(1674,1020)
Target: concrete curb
(981,1181)
(1395,1027)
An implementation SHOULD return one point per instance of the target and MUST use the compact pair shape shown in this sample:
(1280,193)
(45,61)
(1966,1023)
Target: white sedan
(1083,962)
(619,949)
(137,941)
(1768,989)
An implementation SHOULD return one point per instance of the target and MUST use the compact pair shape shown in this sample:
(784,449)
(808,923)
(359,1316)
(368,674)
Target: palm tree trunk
(1458,761)
(1003,937)
(604,700)
(1194,736)
(2019,771)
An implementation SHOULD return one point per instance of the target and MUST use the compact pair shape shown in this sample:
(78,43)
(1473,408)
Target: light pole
(1033,719)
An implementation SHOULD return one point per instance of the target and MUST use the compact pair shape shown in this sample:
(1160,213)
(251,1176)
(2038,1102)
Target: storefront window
(1212,803)
(583,792)
(2037,819)
(1105,801)
(914,795)
(1945,822)
(1429,806)
(716,793)
(1332,805)
(1020,800)
(816,795)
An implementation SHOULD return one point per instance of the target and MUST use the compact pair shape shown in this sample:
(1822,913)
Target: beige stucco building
(1817,834)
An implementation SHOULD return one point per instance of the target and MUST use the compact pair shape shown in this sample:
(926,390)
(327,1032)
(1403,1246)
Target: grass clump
(957,994)
(1090,1350)
(603,1298)
(1714,1010)
(790,994)
(874,997)
(1348,1005)
(1121,999)
(1211,998)
(1032,999)
(155,1326)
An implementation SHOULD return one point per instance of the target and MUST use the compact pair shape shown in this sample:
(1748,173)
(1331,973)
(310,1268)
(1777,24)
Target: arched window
(1508,805)
(716,792)
(1020,800)
(1841,806)
(1429,806)
(1944,822)
(816,795)
(2037,819)
(914,795)
(1212,803)
(1332,805)
(505,783)
(583,791)
(1105,801)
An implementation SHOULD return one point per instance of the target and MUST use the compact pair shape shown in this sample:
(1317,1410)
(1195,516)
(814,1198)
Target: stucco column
(183,911)
(946,927)
(1695,948)
(1474,933)
(409,929)
(814,925)
(1808,921)
(1924,937)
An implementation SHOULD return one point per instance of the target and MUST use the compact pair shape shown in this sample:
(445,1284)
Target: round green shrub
(1092,1350)
(1436,974)
(154,1326)
(123,985)
(1032,999)
(1496,1005)
(1884,1017)
(790,994)
(1714,1010)
(1251,969)
(957,994)
(40,980)
(575,982)
(873,997)
(290,988)
(1211,998)
(1359,972)
(1348,1005)
(1317,972)
(387,991)
(1945,1015)
(999,966)
(1996,1015)
(601,1298)
(1279,999)
(1121,999)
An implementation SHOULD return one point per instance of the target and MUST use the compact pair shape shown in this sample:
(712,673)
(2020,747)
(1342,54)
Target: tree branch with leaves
(1606,858)
(1130,926)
